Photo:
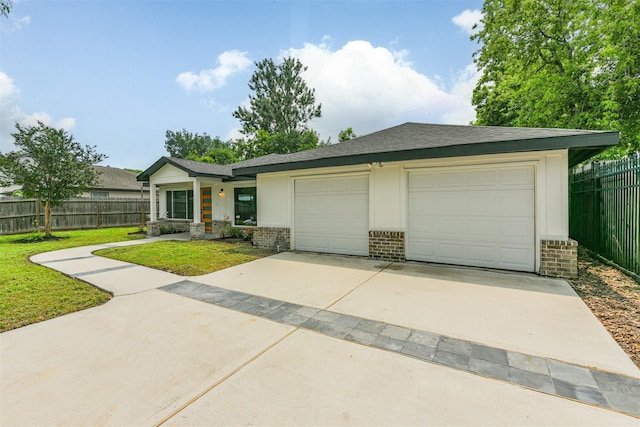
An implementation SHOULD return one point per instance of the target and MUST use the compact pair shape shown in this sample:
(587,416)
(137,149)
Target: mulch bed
(614,298)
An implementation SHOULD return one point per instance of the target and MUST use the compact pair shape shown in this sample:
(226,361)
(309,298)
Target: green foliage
(281,101)
(50,166)
(30,293)
(279,111)
(548,63)
(220,156)
(264,143)
(346,135)
(187,258)
(184,144)
(5,7)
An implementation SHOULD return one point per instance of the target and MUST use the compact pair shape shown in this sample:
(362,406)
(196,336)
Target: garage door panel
(332,215)
(480,217)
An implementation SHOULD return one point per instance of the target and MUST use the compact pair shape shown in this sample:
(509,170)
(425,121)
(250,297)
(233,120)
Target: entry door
(206,215)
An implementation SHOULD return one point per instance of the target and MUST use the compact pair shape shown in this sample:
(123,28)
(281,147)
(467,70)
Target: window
(180,204)
(245,206)
(100,194)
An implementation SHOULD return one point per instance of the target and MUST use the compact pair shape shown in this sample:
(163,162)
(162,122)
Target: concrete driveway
(303,339)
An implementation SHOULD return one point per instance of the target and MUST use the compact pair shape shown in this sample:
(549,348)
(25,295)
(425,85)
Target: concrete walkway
(316,340)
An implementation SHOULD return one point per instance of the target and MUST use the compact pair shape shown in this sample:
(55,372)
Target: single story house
(491,197)
(117,183)
(112,182)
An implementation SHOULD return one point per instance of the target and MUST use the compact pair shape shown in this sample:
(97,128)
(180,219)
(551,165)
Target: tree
(346,135)
(569,64)
(185,144)
(219,155)
(50,166)
(264,143)
(5,7)
(281,105)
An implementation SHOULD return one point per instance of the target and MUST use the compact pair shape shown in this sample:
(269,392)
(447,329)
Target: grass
(187,258)
(30,293)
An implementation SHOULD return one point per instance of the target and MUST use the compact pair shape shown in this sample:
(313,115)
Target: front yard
(31,293)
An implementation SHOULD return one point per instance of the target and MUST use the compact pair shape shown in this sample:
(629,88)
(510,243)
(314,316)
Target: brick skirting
(559,258)
(386,245)
(276,238)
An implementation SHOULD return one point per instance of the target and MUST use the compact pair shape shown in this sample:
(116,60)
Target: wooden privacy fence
(605,210)
(20,215)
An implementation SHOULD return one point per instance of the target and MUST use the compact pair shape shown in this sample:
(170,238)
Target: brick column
(559,258)
(153,228)
(386,245)
(196,230)
(276,238)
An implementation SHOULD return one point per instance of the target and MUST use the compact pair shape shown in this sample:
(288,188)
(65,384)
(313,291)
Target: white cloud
(15,24)
(467,19)
(369,88)
(462,91)
(229,63)
(12,114)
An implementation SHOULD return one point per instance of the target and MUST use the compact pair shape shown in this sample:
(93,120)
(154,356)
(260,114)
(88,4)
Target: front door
(205,208)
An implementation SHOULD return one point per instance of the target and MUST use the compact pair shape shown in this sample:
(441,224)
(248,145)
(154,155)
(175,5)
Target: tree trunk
(47,219)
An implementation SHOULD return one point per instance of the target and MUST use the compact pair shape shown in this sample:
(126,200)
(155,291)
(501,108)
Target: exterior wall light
(221,193)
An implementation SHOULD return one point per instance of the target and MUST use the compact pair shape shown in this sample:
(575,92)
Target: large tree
(282,104)
(50,165)
(561,63)
(185,144)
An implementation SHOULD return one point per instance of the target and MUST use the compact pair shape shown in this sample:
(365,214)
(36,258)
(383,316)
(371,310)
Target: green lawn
(187,258)
(30,293)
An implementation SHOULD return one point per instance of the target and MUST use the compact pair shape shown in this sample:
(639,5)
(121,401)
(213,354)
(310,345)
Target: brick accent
(196,231)
(559,258)
(386,245)
(153,228)
(276,238)
(220,229)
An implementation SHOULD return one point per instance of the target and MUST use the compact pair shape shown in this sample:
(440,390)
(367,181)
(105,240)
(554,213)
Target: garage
(331,214)
(476,216)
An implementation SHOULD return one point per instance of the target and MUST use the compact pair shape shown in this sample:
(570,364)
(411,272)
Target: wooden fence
(605,210)
(23,215)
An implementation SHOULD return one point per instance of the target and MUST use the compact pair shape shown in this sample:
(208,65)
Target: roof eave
(580,146)
(144,176)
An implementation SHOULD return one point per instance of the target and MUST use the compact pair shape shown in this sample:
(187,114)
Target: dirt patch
(614,298)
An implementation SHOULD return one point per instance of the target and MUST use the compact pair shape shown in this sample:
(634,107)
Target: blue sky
(118,74)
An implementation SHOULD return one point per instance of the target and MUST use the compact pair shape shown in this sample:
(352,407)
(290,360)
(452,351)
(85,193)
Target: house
(112,182)
(117,183)
(467,195)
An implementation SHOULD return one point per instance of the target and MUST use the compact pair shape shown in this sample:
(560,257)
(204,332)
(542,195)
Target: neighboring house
(478,196)
(112,182)
(117,183)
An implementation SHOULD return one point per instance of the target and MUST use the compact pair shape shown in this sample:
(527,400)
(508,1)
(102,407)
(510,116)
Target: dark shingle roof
(411,141)
(192,167)
(422,141)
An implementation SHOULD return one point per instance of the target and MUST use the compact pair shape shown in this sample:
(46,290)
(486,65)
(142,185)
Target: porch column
(196,201)
(196,230)
(153,226)
(153,214)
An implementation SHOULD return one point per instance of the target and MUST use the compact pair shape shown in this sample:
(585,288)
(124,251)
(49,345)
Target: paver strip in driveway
(150,356)
(618,392)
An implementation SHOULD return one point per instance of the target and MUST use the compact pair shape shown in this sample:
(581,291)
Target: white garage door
(332,215)
(477,217)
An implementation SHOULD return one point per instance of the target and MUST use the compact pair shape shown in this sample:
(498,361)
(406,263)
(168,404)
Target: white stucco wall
(171,178)
(388,190)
